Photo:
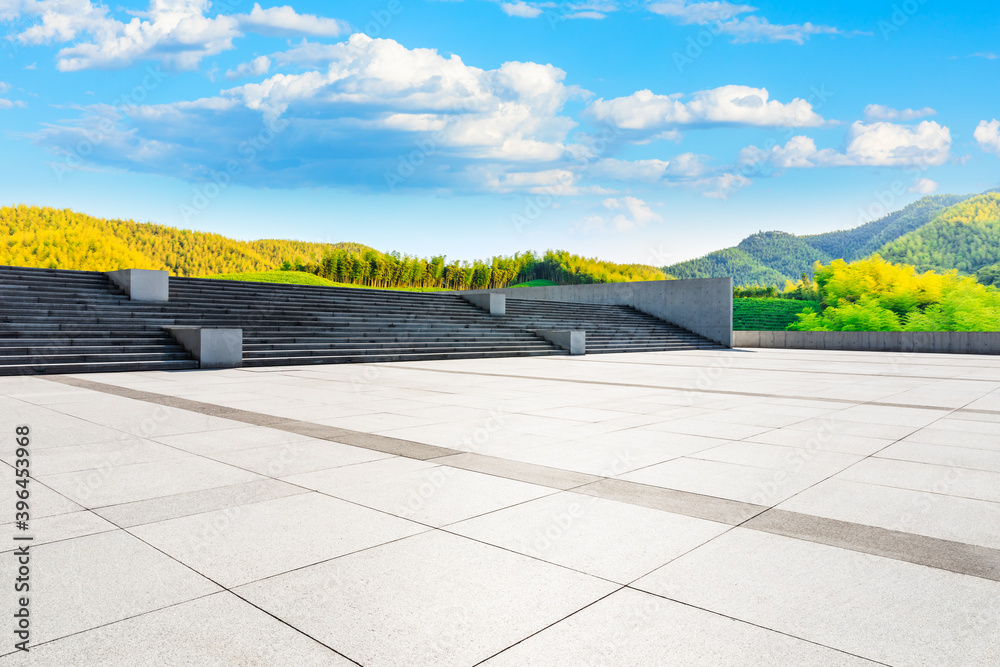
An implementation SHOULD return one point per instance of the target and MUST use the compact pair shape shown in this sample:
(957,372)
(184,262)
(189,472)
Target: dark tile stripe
(959,557)
(555,478)
(696,505)
(929,551)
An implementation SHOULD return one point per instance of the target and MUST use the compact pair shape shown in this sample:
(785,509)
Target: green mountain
(852,244)
(966,237)
(771,258)
(744,269)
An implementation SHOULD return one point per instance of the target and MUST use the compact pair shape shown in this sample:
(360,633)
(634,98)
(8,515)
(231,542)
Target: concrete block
(142,284)
(575,341)
(212,348)
(492,302)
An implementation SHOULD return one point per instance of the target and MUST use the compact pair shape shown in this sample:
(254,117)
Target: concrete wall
(704,306)
(955,342)
(142,284)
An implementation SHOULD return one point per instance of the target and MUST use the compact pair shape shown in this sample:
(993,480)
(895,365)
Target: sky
(634,131)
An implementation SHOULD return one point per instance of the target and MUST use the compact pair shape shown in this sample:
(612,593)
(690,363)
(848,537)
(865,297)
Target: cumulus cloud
(177,32)
(522,9)
(646,113)
(923,186)
(699,12)
(625,214)
(256,67)
(873,145)
(879,112)
(987,135)
(728,19)
(281,21)
(723,186)
(375,111)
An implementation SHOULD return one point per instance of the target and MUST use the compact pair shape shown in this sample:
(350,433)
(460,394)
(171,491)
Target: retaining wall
(704,305)
(952,342)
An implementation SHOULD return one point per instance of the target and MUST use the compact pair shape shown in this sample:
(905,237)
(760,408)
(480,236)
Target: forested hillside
(63,239)
(744,269)
(852,244)
(56,238)
(964,237)
(772,258)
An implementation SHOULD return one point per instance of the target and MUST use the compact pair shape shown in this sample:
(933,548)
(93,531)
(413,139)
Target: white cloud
(4,87)
(879,112)
(176,32)
(875,145)
(699,12)
(729,105)
(285,20)
(256,67)
(642,171)
(374,111)
(923,186)
(727,19)
(722,186)
(521,9)
(759,29)
(987,135)
(626,214)
(985,55)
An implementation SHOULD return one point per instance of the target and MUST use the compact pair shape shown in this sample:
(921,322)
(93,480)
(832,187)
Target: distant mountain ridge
(771,258)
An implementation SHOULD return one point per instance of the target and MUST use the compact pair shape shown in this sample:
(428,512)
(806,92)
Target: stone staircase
(609,328)
(54,321)
(77,322)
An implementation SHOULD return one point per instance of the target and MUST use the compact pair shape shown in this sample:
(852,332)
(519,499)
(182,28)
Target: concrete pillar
(212,348)
(142,284)
(575,341)
(491,302)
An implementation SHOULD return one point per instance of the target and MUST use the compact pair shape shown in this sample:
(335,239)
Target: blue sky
(635,131)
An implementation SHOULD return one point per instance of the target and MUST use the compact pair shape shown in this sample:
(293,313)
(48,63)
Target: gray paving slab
(432,494)
(635,628)
(920,512)
(878,608)
(177,505)
(475,600)
(601,537)
(240,544)
(87,582)
(113,485)
(218,629)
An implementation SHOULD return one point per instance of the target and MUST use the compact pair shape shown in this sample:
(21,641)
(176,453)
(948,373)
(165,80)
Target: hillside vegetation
(59,238)
(965,237)
(875,295)
(772,258)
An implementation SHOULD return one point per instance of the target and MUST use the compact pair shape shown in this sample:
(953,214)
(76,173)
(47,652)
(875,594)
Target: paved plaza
(734,507)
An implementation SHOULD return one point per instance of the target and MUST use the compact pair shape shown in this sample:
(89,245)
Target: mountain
(64,239)
(745,269)
(852,244)
(61,238)
(771,258)
(965,237)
